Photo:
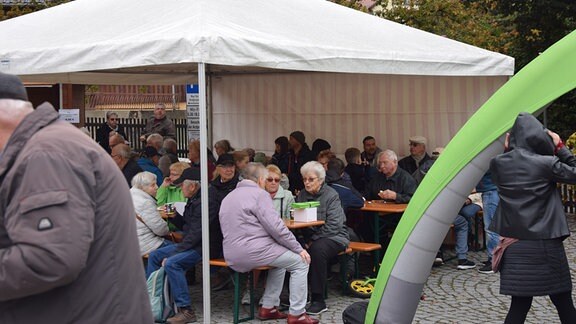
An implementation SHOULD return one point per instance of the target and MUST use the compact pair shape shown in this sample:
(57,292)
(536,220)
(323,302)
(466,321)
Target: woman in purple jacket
(255,236)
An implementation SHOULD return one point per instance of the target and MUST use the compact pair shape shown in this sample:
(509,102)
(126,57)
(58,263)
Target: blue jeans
(490,201)
(461,228)
(176,265)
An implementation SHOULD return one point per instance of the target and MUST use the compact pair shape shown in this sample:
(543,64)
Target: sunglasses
(273,180)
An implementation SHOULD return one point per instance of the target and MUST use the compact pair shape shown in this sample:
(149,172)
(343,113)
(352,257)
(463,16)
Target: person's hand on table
(387,194)
(305,256)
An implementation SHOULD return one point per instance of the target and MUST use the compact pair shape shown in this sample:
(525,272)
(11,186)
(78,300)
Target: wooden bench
(363,247)
(237,291)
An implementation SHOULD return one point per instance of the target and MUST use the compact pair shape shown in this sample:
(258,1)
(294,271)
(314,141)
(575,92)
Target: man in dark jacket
(109,127)
(299,154)
(220,187)
(68,246)
(392,184)
(418,155)
(178,258)
(159,123)
(122,156)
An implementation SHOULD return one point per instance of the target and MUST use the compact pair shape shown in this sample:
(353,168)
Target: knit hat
(299,136)
(12,88)
(320,145)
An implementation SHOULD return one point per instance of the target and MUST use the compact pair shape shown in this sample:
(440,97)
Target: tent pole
(204,194)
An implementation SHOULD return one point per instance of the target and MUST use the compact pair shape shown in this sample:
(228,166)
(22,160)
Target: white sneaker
(246,297)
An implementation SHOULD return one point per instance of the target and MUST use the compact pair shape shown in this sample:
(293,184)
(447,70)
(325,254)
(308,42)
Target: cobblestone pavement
(451,296)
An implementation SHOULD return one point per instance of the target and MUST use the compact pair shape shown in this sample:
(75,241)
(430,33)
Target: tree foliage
(16,10)
(520,28)
(469,22)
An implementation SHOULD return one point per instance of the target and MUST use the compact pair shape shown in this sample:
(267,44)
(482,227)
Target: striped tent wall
(252,110)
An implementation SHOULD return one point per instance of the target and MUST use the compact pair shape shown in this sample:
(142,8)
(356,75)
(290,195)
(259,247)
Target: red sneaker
(265,314)
(301,319)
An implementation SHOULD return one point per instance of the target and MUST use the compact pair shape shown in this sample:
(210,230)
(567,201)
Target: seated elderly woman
(282,198)
(150,226)
(167,192)
(326,241)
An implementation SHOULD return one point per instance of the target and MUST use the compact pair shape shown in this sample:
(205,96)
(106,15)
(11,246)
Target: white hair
(143,179)
(391,155)
(315,167)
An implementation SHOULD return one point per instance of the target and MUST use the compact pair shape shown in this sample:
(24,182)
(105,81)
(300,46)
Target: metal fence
(134,127)
(567,193)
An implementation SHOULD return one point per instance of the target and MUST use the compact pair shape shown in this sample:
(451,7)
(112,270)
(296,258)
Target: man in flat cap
(417,155)
(68,246)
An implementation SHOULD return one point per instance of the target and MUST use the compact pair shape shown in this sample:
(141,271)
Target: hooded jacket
(526,174)
(68,246)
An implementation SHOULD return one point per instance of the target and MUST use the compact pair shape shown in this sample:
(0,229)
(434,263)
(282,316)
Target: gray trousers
(293,263)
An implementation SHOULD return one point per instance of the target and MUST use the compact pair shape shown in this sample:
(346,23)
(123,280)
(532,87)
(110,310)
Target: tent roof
(131,41)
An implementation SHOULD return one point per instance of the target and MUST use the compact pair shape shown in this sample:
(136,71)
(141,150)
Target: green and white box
(306,211)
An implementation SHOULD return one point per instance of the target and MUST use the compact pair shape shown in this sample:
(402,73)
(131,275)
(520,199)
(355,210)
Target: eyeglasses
(414,144)
(273,180)
(309,179)
(114,119)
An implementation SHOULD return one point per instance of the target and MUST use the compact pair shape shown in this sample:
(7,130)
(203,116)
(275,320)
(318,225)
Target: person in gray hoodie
(531,220)
(68,246)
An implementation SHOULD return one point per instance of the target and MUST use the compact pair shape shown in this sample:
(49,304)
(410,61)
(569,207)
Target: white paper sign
(70,115)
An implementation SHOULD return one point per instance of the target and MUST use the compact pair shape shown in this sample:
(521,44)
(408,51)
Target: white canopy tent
(245,43)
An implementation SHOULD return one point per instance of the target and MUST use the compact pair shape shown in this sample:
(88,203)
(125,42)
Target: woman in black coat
(531,215)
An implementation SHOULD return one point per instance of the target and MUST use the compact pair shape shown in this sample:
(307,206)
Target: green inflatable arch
(408,260)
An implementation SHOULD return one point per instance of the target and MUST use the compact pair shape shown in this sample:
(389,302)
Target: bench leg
(344,273)
(238,298)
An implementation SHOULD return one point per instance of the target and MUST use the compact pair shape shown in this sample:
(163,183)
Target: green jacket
(169,194)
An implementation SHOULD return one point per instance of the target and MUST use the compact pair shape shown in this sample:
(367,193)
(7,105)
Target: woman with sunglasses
(281,198)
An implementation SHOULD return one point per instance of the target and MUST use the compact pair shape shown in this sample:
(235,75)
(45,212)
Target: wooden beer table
(291,224)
